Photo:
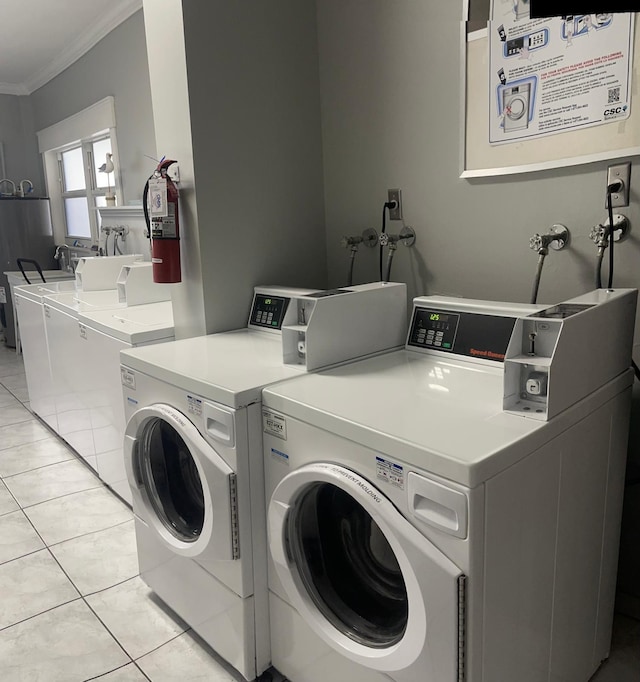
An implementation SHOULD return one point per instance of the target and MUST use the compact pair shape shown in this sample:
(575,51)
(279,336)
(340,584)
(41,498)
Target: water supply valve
(555,239)
(369,237)
(599,234)
(407,237)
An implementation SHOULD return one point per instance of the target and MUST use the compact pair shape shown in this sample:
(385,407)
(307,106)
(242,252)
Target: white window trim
(97,119)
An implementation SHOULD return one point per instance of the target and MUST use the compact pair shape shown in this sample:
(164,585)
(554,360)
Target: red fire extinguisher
(160,204)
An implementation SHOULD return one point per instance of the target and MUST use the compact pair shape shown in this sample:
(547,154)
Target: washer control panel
(522,44)
(434,329)
(470,334)
(268,311)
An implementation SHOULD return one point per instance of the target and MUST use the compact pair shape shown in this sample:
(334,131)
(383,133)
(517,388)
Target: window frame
(91,190)
(91,124)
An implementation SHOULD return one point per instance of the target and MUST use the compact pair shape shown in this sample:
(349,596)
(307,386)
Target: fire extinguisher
(160,204)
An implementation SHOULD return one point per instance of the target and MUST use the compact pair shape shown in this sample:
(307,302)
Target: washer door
(186,490)
(362,576)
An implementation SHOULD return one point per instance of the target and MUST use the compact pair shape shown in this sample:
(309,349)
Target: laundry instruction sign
(555,75)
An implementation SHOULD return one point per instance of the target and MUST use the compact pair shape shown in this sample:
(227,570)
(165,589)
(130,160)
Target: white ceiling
(41,38)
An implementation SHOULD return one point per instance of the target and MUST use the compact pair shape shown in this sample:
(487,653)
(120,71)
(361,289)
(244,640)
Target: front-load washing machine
(193,450)
(516,102)
(451,511)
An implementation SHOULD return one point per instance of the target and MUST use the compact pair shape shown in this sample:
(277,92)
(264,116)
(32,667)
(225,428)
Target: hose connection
(556,239)
(599,234)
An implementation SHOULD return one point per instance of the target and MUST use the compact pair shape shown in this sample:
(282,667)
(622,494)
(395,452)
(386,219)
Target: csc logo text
(615,111)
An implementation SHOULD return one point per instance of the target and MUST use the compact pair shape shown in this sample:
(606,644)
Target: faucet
(13,184)
(21,191)
(63,257)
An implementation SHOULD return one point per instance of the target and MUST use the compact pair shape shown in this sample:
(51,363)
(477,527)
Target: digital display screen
(268,311)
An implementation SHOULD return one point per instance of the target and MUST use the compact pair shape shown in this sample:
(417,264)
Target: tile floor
(72,607)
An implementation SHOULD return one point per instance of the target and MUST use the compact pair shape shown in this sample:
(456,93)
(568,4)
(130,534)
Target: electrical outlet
(621,172)
(395,195)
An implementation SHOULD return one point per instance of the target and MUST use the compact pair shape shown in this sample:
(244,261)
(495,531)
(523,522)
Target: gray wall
(254,185)
(255,123)
(17,135)
(390,114)
(390,96)
(116,66)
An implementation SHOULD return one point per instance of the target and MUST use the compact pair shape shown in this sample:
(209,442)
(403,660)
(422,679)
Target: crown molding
(13,89)
(111,19)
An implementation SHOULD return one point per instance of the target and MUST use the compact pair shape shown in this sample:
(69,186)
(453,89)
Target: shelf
(529,409)
(537,360)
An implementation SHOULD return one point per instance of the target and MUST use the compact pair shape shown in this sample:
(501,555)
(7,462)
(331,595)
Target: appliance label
(3,295)
(390,472)
(158,198)
(274,424)
(83,331)
(128,378)
(194,405)
(280,456)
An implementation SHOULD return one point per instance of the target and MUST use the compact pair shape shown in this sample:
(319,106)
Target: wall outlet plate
(395,195)
(622,172)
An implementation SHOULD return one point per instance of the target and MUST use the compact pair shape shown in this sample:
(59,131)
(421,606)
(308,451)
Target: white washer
(516,101)
(71,367)
(17,279)
(423,529)
(79,360)
(28,305)
(105,333)
(193,452)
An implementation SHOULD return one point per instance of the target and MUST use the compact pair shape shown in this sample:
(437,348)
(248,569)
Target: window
(84,186)
(73,150)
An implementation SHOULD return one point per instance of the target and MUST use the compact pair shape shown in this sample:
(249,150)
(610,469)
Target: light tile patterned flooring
(72,607)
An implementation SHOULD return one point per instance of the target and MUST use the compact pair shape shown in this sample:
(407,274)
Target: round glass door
(171,479)
(347,566)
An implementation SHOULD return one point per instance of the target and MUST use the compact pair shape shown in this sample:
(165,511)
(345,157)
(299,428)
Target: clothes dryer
(193,451)
(432,515)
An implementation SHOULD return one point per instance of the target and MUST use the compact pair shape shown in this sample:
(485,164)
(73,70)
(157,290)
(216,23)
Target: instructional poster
(554,75)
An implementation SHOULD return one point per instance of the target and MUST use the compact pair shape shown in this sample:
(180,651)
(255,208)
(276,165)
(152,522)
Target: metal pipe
(599,267)
(352,257)
(392,250)
(536,281)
